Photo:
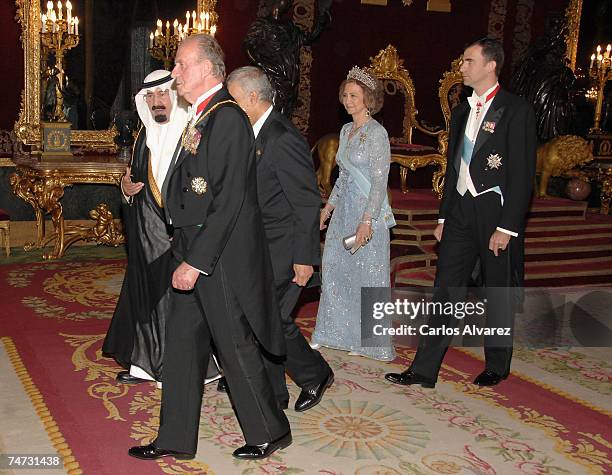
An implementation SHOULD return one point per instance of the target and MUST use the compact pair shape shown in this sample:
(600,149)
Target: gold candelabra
(59,33)
(600,71)
(163,43)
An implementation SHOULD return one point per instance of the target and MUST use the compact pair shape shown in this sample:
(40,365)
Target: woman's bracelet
(366,221)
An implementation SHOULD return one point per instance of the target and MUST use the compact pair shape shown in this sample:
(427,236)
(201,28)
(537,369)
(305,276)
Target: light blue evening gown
(343,275)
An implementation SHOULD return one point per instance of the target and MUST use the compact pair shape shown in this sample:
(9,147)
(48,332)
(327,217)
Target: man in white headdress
(136,334)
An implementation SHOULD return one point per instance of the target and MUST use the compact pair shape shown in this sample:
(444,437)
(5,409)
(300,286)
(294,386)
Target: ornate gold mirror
(27,127)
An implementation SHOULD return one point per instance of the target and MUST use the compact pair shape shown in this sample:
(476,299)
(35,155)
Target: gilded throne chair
(417,145)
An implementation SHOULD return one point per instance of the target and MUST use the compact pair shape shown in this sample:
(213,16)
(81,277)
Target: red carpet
(56,315)
(40,304)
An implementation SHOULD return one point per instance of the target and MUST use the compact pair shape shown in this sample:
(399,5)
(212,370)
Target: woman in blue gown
(357,205)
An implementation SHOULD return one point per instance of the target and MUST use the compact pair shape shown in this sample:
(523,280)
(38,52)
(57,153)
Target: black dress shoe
(150,452)
(254,452)
(124,377)
(222,385)
(309,398)
(408,377)
(488,378)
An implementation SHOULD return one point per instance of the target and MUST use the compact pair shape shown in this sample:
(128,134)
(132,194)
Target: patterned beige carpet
(552,416)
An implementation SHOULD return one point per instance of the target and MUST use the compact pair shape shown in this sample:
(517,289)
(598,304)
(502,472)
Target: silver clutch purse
(349,241)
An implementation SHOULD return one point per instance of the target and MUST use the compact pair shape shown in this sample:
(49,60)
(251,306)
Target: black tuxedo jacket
(513,138)
(288,196)
(222,226)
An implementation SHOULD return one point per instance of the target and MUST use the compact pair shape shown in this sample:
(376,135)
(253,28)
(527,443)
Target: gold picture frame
(27,127)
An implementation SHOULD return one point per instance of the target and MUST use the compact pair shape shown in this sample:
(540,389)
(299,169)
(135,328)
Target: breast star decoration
(488,126)
(191,139)
(199,185)
(494,161)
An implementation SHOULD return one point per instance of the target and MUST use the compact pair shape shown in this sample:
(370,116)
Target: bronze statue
(50,100)
(544,78)
(125,123)
(273,43)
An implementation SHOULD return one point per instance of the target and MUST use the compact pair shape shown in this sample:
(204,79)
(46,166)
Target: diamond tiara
(361,76)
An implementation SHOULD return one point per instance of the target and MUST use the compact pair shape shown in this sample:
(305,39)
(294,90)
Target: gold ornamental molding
(572,17)
(449,79)
(387,65)
(303,16)
(206,6)
(27,127)
(42,185)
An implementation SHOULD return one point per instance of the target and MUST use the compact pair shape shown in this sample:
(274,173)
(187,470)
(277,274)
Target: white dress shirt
(261,121)
(194,107)
(464,182)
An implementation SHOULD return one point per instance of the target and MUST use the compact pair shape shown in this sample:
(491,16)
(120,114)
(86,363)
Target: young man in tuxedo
(290,204)
(488,185)
(223,283)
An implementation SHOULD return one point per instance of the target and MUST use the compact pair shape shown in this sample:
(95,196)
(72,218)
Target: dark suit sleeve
(522,144)
(295,171)
(229,148)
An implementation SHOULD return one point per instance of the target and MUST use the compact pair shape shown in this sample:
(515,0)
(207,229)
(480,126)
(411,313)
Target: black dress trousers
(304,365)
(467,230)
(188,343)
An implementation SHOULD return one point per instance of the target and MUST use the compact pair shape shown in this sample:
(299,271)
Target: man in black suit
(488,184)
(290,204)
(223,284)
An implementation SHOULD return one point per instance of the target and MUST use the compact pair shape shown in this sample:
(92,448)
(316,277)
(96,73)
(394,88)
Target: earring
(368,113)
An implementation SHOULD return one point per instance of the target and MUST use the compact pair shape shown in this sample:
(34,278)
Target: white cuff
(441,221)
(200,271)
(512,233)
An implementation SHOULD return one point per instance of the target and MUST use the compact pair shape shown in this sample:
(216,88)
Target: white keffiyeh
(161,138)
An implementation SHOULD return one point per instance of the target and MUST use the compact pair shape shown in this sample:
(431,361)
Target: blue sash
(364,186)
(468,149)
(466,156)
